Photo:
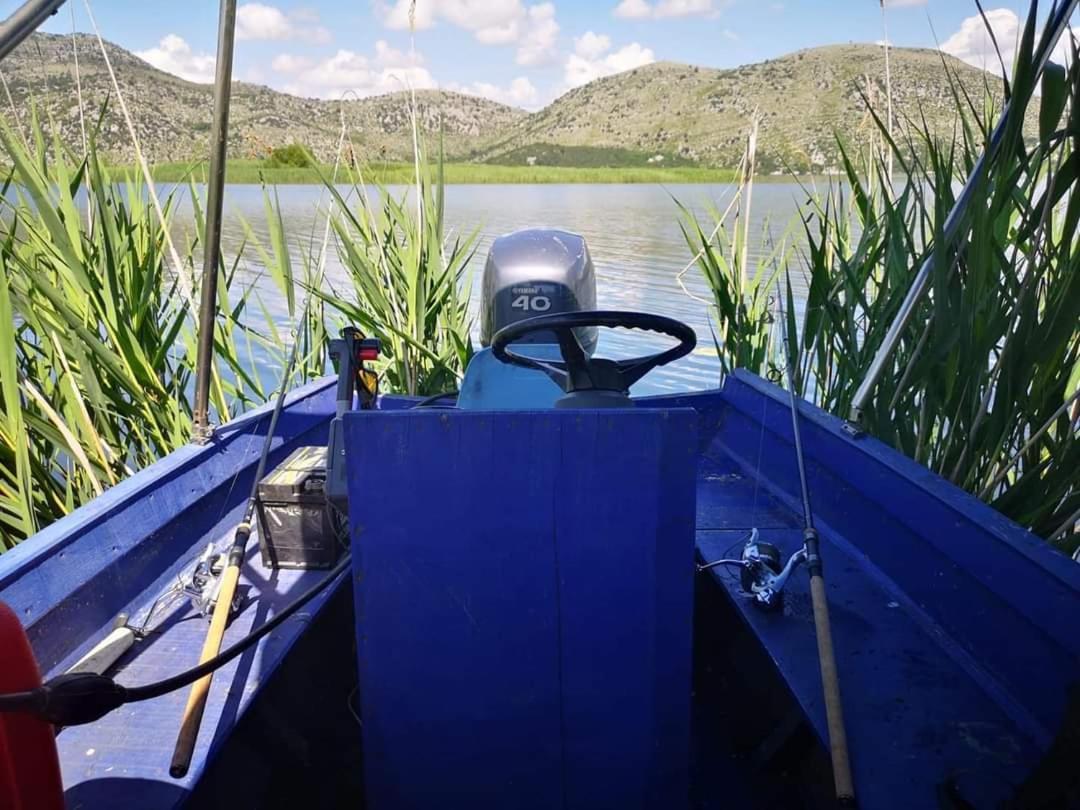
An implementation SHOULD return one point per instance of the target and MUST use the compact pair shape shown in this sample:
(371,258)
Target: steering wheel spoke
(575,361)
(635,368)
(577,372)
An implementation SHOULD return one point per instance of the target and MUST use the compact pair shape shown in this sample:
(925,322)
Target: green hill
(662,114)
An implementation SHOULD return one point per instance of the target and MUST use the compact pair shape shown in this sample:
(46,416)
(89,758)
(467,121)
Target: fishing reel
(762,573)
(204,584)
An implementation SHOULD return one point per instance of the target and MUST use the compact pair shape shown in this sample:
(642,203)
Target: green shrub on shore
(293,156)
(388,174)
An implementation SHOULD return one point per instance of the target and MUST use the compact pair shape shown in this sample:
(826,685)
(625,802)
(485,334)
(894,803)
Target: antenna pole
(24,21)
(214,197)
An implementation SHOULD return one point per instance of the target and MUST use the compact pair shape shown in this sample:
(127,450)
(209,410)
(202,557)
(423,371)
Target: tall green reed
(410,280)
(742,293)
(983,386)
(97,373)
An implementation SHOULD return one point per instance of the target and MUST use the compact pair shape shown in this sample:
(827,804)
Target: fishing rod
(76,698)
(830,680)
(230,577)
(215,195)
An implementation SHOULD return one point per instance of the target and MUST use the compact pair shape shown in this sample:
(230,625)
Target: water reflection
(632,230)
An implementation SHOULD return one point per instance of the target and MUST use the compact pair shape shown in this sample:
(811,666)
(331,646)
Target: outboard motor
(539,314)
(534,272)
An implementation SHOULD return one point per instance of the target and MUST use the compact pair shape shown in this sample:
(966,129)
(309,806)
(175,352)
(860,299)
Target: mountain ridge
(665,112)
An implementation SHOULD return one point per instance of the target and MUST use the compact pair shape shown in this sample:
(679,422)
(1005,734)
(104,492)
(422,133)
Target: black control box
(295,526)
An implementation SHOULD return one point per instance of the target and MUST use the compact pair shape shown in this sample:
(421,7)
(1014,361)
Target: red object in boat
(29,767)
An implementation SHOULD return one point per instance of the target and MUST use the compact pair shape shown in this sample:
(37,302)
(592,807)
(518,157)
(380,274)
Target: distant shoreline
(240,172)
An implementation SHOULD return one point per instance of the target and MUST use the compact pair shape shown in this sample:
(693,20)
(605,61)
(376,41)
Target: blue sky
(522,52)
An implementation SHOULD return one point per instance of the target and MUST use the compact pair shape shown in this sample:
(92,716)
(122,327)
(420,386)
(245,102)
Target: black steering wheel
(577,372)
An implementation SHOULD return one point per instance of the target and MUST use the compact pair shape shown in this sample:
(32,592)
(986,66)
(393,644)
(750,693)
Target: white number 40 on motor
(531,303)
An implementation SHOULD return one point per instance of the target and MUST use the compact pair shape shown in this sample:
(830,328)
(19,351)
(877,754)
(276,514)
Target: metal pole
(214,197)
(954,224)
(24,21)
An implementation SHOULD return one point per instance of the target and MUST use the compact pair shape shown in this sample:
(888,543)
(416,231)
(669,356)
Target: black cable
(76,698)
(153,690)
(436,398)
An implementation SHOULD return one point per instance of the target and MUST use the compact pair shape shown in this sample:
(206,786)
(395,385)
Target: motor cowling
(538,271)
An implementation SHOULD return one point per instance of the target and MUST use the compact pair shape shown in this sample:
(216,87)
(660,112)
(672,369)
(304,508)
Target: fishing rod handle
(196,704)
(834,712)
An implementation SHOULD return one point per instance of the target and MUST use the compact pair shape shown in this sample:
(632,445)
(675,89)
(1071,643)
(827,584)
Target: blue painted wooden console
(524,597)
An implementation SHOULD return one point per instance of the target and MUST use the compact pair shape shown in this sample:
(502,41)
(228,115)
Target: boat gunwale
(951,496)
(55,537)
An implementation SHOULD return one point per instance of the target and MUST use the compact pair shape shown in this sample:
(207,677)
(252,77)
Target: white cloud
(305,15)
(592,58)
(591,45)
(472,15)
(972,42)
(519,93)
(493,22)
(257,21)
(633,9)
(396,16)
(503,34)
(287,63)
(174,55)
(904,3)
(538,43)
(729,34)
(347,72)
(683,8)
(388,56)
(642,9)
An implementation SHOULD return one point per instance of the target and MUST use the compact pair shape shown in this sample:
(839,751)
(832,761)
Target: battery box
(295,530)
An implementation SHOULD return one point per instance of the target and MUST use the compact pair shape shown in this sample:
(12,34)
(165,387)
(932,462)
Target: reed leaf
(975,389)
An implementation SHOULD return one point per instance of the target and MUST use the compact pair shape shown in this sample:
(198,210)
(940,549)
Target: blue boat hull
(954,628)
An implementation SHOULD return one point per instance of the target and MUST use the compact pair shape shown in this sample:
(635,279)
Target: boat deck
(923,583)
(883,642)
(123,759)
(883,647)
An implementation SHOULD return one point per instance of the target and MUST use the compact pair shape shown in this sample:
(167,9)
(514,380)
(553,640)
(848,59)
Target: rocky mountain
(172,116)
(663,112)
(702,115)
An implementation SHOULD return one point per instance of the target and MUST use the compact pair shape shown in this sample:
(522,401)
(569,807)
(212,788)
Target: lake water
(632,230)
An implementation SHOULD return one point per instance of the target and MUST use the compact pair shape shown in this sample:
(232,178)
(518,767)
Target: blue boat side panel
(492,385)
(74,577)
(523,606)
(735,499)
(914,718)
(966,570)
(123,759)
(954,628)
(117,554)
